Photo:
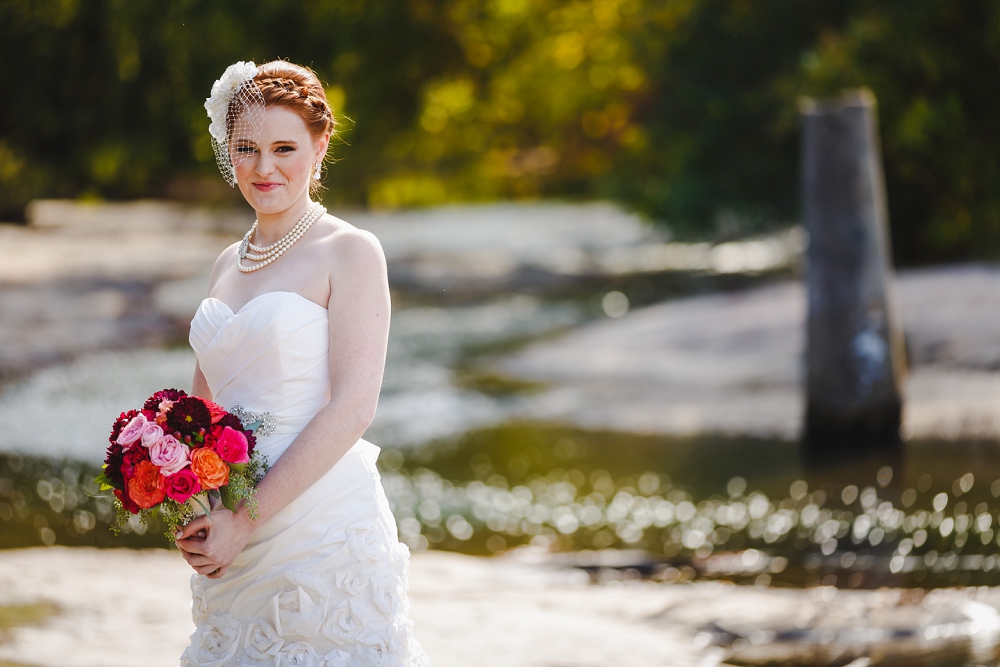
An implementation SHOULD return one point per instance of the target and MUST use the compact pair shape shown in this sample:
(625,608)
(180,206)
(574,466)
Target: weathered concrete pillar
(855,360)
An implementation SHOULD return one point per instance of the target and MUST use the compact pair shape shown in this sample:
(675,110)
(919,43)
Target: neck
(272,226)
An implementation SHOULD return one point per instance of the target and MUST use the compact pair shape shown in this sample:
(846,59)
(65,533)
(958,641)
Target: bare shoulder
(229,253)
(226,258)
(351,248)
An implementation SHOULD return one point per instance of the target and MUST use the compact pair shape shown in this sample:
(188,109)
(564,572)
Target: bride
(294,333)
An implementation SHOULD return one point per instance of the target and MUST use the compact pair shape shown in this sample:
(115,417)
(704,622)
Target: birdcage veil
(236,109)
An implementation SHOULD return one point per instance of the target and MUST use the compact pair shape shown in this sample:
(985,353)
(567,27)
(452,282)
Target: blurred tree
(684,109)
(934,66)
(105,98)
(722,150)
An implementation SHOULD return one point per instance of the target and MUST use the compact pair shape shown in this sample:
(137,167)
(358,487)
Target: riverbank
(121,608)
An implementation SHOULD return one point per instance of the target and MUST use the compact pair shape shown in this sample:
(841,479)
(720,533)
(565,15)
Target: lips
(266,186)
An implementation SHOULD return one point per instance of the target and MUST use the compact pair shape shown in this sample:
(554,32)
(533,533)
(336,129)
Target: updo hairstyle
(297,88)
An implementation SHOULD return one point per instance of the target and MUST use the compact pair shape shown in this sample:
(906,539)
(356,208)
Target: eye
(285,149)
(246,150)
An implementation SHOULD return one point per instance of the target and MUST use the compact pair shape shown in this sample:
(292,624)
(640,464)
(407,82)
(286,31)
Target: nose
(265,165)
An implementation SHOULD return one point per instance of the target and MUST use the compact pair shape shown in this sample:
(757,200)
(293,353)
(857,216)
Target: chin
(268,202)
(268,206)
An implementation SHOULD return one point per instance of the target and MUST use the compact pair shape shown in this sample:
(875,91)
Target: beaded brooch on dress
(266,420)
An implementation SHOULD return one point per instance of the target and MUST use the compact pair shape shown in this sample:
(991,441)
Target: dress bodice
(272,355)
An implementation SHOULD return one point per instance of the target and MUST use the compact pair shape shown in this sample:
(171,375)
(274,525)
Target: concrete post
(855,359)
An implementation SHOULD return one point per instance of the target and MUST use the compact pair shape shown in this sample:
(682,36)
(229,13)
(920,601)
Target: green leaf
(227,499)
(103,481)
(203,505)
(254,426)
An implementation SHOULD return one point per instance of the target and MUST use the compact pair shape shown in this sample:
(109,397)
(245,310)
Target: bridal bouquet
(171,457)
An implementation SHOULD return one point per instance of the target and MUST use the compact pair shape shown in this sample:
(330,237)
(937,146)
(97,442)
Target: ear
(321,145)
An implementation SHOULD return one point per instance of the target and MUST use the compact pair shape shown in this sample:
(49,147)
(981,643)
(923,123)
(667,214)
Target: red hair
(297,88)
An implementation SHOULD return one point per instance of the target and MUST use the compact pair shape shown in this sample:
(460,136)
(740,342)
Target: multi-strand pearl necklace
(268,254)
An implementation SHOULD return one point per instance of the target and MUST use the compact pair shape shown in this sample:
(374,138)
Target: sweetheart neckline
(259,296)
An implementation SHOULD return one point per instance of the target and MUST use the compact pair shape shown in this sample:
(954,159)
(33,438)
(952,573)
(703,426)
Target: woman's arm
(199,385)
(359,312)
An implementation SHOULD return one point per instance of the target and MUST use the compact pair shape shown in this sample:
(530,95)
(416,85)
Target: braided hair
(298,89)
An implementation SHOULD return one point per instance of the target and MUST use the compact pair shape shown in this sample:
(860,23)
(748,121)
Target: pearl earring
(319,171)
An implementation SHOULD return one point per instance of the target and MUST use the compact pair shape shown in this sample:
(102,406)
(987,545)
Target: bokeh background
(683,110)
(593,397)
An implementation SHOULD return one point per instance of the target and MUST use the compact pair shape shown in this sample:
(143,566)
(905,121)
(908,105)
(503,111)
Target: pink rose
(181,485)
(132,431)
(151,433)
(170,454)
(232,446)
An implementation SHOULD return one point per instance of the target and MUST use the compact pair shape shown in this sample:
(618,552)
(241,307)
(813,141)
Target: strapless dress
(322,583)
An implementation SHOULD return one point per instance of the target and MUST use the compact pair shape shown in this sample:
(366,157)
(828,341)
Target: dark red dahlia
(153,402)
(126,502)
(114,459)
(123,419)
(233,421)
(188,416)
(130,459)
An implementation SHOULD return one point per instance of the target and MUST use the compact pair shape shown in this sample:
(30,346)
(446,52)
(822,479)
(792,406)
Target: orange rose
(212,471)
(144,486)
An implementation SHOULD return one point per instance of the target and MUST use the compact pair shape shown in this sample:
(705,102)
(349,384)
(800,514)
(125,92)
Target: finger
(196,524)
(206,569)
(184,546)
(218,573)
(199,561)
(193,545)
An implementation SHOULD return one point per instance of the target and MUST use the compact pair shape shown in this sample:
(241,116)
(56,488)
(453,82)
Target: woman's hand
(211,543)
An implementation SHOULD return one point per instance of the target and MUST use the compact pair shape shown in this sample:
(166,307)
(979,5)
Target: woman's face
(274,168)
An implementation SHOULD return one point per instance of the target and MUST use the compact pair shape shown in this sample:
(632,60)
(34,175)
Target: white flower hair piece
(236,109)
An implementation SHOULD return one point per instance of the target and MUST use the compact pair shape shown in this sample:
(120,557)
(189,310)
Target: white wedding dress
(323,583)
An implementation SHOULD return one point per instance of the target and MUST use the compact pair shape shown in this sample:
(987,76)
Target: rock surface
(731,363)
(88,277)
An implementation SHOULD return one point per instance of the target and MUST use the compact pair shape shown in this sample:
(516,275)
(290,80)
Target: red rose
(232,446)
(181,485)
(233,421)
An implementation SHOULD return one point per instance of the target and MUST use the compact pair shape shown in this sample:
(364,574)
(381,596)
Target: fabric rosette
(177,456)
